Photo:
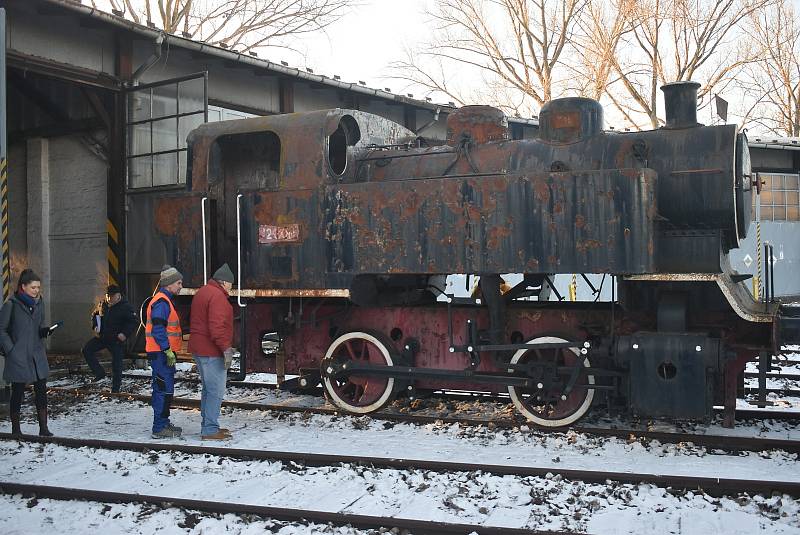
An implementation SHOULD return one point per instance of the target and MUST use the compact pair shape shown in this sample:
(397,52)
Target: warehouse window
(160,116)
(780,197)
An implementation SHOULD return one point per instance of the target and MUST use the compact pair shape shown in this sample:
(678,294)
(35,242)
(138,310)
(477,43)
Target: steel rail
(196,381)
(772,375)
(264,511)
(711,485)
(444,394)
(786,392)
(720,442)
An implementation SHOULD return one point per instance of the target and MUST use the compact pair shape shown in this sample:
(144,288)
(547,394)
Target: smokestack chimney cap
(680,104)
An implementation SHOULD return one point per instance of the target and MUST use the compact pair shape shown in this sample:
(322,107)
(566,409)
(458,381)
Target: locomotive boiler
(343,225)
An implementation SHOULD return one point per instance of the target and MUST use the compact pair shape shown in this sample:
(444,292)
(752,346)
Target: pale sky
(363,44)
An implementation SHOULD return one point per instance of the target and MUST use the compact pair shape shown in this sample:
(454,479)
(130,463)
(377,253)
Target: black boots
(15,429)
(43,431)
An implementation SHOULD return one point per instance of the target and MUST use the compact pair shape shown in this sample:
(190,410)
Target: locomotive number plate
(278,233)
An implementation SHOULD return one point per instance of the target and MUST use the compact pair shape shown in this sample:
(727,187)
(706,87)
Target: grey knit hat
(223,274)
(169,275)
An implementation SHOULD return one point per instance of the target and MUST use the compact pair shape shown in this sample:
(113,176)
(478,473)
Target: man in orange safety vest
(162,340)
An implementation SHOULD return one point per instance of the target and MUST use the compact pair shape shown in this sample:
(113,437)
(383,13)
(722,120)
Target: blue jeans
(213,375)
(163,388)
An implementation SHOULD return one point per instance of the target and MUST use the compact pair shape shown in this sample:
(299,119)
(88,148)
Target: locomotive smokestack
(680,104)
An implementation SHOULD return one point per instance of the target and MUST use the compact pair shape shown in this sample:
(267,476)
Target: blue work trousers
(213,375)
(163,389)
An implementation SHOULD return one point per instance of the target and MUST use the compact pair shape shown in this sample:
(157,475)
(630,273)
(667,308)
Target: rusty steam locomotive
(342,226)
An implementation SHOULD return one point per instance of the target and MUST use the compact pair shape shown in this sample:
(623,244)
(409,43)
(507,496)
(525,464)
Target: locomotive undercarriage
(650,354)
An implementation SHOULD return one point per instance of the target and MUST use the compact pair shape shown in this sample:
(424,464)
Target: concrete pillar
(38,256)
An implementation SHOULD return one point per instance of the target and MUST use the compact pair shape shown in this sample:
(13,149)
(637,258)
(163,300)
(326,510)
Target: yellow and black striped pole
(112,252)
(5,390)
(4,227)
(6,261)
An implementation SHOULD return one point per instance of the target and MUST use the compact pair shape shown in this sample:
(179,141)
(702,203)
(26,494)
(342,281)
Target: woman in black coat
(22,329)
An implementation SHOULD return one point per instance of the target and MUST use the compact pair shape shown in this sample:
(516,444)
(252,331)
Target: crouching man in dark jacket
(117,322)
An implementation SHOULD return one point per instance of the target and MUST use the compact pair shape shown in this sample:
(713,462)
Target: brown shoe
(219,435)
(225,430)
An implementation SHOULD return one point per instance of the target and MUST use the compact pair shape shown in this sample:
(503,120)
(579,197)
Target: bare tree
(239,24)
(676,40)
(603,26)
(518,47)
(774,81)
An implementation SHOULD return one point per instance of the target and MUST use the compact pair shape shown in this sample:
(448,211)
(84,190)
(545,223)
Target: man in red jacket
(210,343)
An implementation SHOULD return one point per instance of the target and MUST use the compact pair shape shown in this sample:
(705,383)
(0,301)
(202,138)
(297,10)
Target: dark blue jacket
(160,310)
(118,318)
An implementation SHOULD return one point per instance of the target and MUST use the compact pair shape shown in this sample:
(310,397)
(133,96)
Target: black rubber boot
(15,428)
(43,430)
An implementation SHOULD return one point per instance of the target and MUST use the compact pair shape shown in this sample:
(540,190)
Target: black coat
(21,338)
(119,318)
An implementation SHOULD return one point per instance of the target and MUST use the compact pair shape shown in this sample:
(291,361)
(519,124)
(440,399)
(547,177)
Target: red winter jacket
(211,324)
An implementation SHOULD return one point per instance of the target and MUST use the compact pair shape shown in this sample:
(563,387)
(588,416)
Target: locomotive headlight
(698,349)
(635,346)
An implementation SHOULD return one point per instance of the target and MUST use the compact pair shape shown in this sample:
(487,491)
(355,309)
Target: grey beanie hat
(169,275)
(223,274)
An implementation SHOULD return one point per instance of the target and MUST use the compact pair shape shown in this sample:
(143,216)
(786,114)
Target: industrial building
(98,112)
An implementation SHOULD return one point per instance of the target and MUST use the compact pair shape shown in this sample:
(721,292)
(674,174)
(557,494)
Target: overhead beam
(62,71)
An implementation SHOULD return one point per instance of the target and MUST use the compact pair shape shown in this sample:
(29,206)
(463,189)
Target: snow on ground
(465,497)
(467,408)
(25,516)
(475,497)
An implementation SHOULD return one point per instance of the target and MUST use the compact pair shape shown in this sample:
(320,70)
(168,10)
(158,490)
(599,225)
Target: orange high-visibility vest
(174,334)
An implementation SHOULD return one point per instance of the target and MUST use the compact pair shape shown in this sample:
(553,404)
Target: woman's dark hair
(26,277)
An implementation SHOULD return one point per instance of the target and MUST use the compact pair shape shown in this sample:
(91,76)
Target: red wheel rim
(551,407)
(355,390)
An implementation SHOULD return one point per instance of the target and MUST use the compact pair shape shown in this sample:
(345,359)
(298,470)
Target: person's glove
(171,358)
(228,354)
(44,332)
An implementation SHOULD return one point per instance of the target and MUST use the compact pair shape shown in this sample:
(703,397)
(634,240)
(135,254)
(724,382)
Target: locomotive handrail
(205,261)
(239,250)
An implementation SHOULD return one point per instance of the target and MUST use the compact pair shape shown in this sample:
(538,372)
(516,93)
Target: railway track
(793,392)
(712,442)
(771,375)
(303,516)
(460,396)
(710,485)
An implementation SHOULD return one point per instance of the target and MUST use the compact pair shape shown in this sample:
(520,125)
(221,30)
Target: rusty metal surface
(484,204)
(477,124)
(546,223)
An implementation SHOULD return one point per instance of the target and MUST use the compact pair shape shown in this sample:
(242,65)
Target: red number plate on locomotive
(278,234)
